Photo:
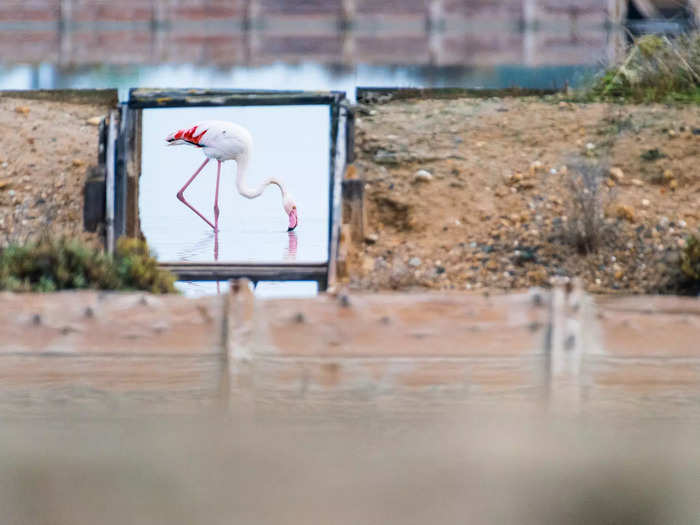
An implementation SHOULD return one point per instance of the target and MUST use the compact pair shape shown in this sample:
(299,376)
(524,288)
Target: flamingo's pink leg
(181,196)
(216,198)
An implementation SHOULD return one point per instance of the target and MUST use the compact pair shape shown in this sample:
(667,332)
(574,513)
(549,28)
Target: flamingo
(227,141)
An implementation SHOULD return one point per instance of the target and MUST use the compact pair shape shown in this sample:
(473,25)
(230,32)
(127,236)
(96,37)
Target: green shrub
(61,264)
(690,260)
(655,69)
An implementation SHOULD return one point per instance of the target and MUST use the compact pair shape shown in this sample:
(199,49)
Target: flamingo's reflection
(290,250)
(290,253)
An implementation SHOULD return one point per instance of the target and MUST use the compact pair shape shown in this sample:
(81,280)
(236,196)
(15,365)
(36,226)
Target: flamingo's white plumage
(227,141)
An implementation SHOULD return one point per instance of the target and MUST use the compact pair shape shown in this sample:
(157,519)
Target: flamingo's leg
(181,196)
(216,198)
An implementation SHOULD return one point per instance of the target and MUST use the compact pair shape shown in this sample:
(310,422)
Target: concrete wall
(475,32)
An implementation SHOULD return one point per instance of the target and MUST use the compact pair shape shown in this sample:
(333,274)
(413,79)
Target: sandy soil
(492,207)
(495,208)
(46,150)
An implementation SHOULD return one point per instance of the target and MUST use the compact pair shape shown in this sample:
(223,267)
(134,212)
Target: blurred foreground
(451,466)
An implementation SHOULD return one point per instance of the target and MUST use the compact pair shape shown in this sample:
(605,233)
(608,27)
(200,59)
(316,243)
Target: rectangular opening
(296,140)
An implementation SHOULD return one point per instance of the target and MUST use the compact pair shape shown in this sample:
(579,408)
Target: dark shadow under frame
(128,171)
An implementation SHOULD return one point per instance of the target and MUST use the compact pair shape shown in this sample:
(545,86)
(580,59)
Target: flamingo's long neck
(251,193)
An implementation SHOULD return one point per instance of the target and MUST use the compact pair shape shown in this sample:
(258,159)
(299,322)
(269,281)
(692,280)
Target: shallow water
(263,290)
(308,76)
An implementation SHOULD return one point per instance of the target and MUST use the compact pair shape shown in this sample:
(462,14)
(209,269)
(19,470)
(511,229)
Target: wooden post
(240,310)
(110,181)
(94,206)
(251,26)
(436,26)
(133,171)
(342,261)
(617,40)
(65,31)
(348,10)
(95,190)
(120,176)
(530,19)
(350,136)
(566,347)
(354,208)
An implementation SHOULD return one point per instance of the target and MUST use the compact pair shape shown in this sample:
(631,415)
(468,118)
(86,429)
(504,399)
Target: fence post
(566,346)
(354,208)
(110,180)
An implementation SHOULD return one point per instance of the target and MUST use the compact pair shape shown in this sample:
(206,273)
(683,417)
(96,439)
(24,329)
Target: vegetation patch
(585,228)
(656,69)
(690,260)
(68,264)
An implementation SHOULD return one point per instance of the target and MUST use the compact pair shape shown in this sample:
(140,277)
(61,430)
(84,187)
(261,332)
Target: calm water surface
(291,143)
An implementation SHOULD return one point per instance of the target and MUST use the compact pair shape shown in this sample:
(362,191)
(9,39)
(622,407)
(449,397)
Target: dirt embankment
(496,194)
(47,147)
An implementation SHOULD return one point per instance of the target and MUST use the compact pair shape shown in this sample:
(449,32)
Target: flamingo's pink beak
(293,220)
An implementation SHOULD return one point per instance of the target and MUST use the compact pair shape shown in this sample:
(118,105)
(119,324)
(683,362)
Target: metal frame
(128,160)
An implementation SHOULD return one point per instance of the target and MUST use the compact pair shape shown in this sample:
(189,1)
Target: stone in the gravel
(371,238)
(77,163)
(617,174)
(681,243)
(422,176)
(22,110)
(636,182)
(619,272)
(535,167)
(514,178)
(94,121)
(664,222)
(4,183)
(682,224)
(590,146)
(415,262)
(696,131)
(11,193)
(625,211)
(646,203)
